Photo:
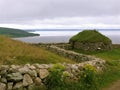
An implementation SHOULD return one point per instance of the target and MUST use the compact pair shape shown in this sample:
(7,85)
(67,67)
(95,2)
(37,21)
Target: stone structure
(71,54)
(14,77)
(90,40)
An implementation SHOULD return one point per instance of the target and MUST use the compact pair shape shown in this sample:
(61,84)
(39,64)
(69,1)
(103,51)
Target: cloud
(59,13)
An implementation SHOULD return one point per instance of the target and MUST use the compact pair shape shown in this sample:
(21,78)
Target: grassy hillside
(90,36)
(15,32)
(15,52)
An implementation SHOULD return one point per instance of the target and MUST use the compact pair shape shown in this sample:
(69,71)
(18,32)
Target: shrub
(55,78)
(88,78)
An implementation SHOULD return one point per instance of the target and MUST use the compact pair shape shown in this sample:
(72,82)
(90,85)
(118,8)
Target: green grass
(112,71)
(15,32)
(16,52)
(90,36)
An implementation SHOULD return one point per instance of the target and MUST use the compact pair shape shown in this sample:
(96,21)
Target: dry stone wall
(26,77)
(14,77)
(71,54)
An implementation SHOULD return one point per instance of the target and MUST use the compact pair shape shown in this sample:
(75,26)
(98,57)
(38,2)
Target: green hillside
(90,36)
(15,32)
(16,52)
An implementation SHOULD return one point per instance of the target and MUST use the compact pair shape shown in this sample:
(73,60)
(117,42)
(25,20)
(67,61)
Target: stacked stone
(71,54)
(26,77)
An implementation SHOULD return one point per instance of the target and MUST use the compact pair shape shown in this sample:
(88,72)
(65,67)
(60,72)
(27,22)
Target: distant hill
(15,32)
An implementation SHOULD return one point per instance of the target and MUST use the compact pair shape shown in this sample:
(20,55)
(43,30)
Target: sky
(47,14)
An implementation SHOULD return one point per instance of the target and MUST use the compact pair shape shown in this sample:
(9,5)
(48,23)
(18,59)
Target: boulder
(27,80)
(10,86)
(14,77)
(43,73)
(37,81)
(18,85)
(2,86)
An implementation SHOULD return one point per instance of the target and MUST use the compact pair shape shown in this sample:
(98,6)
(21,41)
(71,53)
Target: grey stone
(18,85)
(2,86)
(3,80)
(43,73)
(27,80)
(32,73)
(32,67)
(3,72)
(37,81)
(14,77)
(10,86)
(23,70)
(4,67)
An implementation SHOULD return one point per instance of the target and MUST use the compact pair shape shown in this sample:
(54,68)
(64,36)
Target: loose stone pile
(14,77)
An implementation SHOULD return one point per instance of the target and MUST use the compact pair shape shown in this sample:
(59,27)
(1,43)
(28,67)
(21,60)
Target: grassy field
(15,32)
(16,52)
(112,71)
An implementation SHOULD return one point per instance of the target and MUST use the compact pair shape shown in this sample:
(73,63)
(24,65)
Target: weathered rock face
(91,46)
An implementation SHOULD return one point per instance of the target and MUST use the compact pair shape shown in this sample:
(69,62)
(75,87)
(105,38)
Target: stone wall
(91,46)
(14,77)
(71,54)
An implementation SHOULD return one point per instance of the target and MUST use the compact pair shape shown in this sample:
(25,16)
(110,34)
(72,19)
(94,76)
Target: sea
(63,35)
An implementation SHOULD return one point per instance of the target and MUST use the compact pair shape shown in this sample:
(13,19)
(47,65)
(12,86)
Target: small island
(15,33)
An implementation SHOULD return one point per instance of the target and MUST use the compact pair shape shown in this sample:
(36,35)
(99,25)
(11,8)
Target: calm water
(64,36)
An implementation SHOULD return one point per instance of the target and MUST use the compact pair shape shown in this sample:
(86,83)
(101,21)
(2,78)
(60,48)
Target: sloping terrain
(15,32)
(16,52)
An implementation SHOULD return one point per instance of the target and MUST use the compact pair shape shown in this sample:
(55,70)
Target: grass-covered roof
(90,36)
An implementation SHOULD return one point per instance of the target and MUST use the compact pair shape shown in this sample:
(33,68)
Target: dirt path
(114,86)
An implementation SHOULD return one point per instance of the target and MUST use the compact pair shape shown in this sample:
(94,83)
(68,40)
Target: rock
(39,66)
(10,86)
(2,86)
(18,85)
(32,67)
(43,73)
(15,66)
(32,73)
(27,80)
(31,87)
(37,81)
(14,77)
(12,70)
(4,67)
(3,80)
(27,65)
(3,72)
(23,70)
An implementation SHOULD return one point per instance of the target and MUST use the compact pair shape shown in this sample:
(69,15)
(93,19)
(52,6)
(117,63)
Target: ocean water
(53,36)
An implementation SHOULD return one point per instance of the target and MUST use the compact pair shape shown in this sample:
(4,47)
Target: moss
(91,36)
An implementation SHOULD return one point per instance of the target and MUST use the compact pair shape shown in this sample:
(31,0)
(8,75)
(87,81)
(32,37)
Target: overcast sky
(35,14)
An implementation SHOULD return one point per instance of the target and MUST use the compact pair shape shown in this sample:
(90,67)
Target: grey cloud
(25,10)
